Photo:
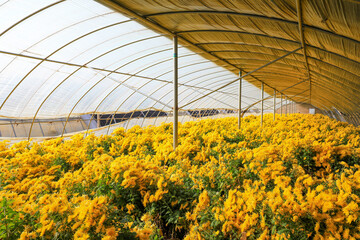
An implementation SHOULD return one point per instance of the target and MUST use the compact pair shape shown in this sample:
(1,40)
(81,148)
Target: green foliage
(11,225)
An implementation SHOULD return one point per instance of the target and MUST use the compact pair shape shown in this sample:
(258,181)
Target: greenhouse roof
(245,35)
(62,58)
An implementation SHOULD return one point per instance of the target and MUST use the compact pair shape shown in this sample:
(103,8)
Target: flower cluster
(294,178)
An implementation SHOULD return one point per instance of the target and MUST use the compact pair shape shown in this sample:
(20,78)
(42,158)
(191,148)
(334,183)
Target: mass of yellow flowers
(294,178)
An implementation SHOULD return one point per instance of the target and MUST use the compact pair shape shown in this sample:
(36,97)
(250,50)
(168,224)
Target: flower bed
(295,178)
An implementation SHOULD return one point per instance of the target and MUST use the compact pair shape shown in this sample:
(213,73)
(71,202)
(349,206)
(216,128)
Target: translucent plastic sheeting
(74,57)
(248,34)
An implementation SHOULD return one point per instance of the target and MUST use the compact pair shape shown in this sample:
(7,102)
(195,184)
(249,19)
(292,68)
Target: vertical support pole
(240,86)
(262,103)
(281,105)
(286,106)
(176,107)
(274,103)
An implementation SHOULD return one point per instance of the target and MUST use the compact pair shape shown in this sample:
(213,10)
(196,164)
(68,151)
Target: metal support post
(286,106)
(274,103)
(240,86)
(176,108)
(262,103)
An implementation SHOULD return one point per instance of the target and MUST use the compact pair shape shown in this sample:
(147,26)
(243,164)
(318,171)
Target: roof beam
(235,31)
(301,32)
(31,15)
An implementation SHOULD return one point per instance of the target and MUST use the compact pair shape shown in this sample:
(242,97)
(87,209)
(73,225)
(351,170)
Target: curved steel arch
(77,71)
(309,57)
(247,44)
(266,60)
(282,64)
(327,89)
(99,56)
(141,18)
(240,51)
(336,93)
(278,73)
(259,35)
(60,30)
(265,54)
(242,44)
(277,68)
(89,91)
(31,15)
(67,44)
(130,75)
(332,65)
(249,73)
(349,83)
(327,79)
(322,99)
(237,32)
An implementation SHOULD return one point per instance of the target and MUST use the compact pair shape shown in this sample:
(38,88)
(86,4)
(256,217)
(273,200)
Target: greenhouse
(173,119)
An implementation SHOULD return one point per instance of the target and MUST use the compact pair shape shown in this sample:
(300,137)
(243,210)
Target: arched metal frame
(114,114)
(101,55)
(266,18)
(263,36)
(211,92)
(35,116)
